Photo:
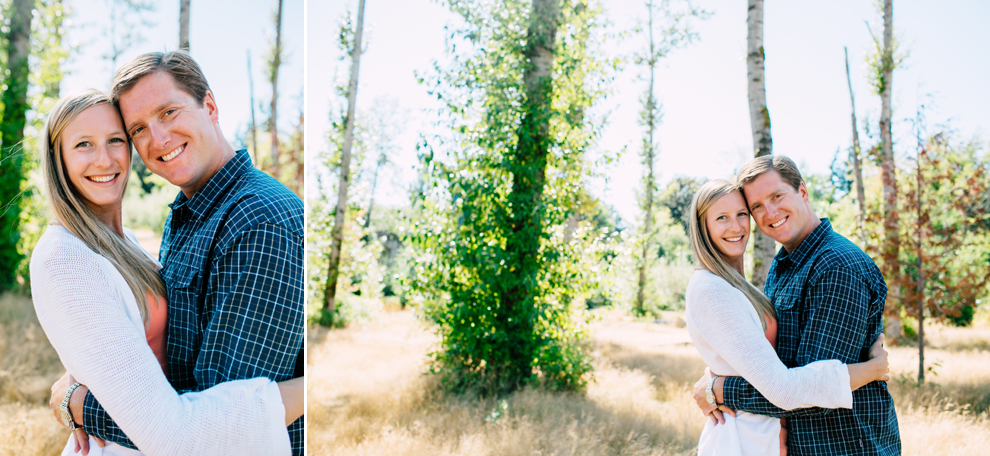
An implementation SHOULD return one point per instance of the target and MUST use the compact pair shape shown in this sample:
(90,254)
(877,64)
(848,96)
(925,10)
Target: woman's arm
(860,374)
(722,317)
(81,307)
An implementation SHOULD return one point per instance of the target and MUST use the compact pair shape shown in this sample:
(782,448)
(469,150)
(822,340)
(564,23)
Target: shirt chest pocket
(184,284)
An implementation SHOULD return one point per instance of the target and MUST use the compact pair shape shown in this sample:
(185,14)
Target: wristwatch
(709,394)
(67,420)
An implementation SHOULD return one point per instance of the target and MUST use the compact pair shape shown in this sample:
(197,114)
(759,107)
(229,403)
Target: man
(231,250)
(829,297)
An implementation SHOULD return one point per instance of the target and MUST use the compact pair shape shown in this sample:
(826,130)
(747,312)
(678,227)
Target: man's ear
(210,104)
(803,191)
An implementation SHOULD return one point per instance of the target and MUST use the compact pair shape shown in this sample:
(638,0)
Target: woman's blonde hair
(70,209)
(709,257)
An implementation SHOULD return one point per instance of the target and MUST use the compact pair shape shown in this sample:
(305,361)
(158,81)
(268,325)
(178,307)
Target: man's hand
(714,413)
(75,409)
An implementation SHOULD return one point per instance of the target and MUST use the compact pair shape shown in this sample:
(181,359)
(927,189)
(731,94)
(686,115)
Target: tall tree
(385,125)
(759,119)
(274,63)
(184,24)
(674,32)
(883,62)
(337,233)
(254,126)
(298,150)
(855,153)
(497,271)
(15,106)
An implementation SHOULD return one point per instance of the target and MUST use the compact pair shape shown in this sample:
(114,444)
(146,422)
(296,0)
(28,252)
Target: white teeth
(781,222)
(107,178)
(173,153)
(735,239)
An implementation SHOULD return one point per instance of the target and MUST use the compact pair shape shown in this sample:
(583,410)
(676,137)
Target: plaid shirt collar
(808,245)
(202,202)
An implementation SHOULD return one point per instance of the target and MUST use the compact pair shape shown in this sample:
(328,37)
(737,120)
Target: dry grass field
(28,367)
(368,396)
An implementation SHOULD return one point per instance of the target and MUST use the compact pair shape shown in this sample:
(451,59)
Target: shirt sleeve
(82,311)
(837,307)
(723,323)
(257,323)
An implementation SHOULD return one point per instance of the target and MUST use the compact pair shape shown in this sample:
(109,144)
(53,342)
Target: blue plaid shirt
(829,297)
(232,258)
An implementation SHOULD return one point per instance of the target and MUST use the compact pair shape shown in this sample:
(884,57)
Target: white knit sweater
(727,332)
(90,316)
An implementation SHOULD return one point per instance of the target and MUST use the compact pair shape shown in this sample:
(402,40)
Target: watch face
(66,419)
(710,398)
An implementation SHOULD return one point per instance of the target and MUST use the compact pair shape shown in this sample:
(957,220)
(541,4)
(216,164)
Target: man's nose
(771,212)
(159,136)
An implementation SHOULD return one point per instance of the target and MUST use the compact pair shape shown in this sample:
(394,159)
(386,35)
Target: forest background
(443,128)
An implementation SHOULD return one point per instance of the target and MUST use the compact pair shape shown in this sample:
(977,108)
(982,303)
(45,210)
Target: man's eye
(169,112)
(137,130)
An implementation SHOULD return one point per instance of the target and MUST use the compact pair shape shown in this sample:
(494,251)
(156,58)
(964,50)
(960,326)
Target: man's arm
(836,329)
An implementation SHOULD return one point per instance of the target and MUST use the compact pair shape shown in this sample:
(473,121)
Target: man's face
(780,211)
(173,133)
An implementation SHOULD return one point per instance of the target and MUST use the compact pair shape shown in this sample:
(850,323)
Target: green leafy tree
(17,28)
(495,271)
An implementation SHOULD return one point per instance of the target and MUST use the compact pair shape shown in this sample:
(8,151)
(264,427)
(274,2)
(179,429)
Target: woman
(101,302)
(734,327)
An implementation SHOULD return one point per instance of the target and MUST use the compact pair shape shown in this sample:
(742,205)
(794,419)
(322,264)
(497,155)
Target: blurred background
(428,253)
(252,55)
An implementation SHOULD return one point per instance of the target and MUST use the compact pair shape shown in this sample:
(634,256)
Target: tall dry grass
(368,396)
(28,367)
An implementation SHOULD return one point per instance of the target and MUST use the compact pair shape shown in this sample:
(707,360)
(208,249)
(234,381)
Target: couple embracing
(799,368)
(200,353)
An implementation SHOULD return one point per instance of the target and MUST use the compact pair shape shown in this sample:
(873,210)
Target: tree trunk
(254,126)
(382,159)
(15,106)
(857,165)
(299,152)
(528,165)
(891,249)
(759,118)
(920,287)
(649,151)
(184,24)
(276,63)
(337,233)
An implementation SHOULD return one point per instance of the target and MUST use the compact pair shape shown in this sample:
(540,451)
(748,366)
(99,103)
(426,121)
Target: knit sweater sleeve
(80,304)
(723,319)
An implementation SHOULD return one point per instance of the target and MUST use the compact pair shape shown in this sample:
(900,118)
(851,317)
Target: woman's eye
(83,144)
(117,140)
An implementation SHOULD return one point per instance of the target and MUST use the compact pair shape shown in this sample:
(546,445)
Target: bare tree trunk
(300,150)
(337,233)
(759,117)
(254,126)
(382,159)
(184,24)
(857,165)
(891,260)
(276,63)
(650,152)
(15,106)
(920,287)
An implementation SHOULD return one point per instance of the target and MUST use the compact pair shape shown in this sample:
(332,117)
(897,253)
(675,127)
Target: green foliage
(950,224)
(505,257)
(677,198)
(147,211)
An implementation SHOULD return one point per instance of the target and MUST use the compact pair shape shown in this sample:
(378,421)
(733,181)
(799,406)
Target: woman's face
(728,225)
(96,156)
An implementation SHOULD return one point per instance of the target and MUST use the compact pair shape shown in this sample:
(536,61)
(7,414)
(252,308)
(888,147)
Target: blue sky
(706,131)
(220,35)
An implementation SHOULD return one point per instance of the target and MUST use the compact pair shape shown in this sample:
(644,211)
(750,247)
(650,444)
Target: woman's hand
(878,359)
(713,413)
(876,369)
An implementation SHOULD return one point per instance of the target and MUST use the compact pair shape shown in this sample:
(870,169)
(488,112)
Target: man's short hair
(759,166)
(179,64)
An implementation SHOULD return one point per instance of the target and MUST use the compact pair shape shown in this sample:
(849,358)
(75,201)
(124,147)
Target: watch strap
(66,413)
